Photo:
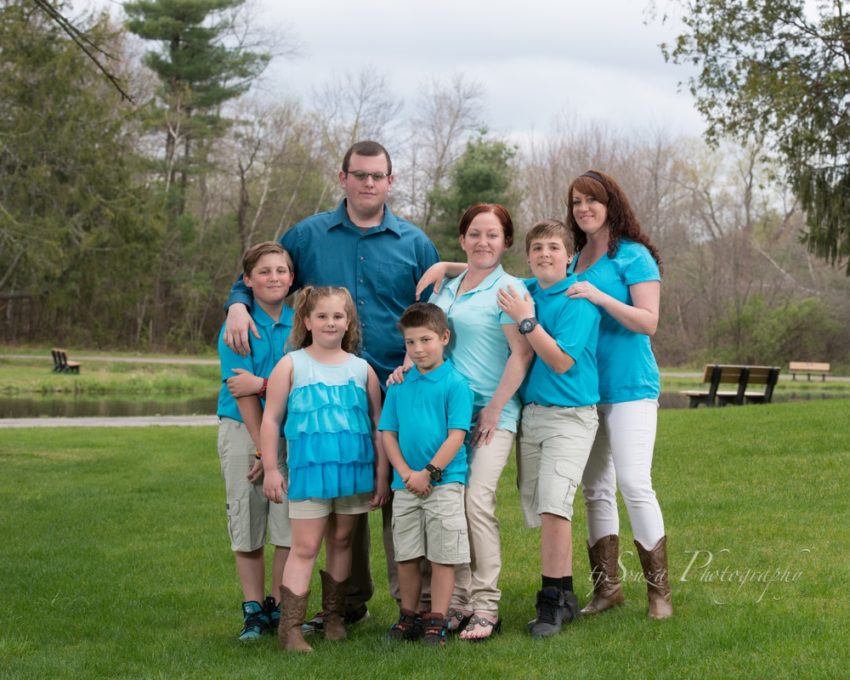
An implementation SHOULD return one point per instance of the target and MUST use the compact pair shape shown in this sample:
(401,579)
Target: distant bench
(61,363)
(809,368)
(743,377)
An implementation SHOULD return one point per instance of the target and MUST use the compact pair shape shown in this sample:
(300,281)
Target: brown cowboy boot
(607,592)
(654,563)
(292,610)
(333,605)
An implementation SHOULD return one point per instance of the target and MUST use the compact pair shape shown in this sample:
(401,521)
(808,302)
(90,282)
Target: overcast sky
(597,61)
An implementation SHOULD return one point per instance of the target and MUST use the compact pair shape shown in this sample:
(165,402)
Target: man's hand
(419,482)
(236,328)
(244,384)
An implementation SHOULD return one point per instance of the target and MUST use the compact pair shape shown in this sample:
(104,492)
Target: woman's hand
(516,307)
(244,383)
(397,376)
(587,291)
(485,426)
(433,276)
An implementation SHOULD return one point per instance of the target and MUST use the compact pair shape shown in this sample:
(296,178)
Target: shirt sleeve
(638,266)
(459,406)
(230,359)
(389,413)
(575,326)
(291,242)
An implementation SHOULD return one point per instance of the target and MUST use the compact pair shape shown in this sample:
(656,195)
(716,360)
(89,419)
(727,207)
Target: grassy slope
(116,563)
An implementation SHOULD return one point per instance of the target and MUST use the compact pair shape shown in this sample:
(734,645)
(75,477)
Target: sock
(567,584)
(551,582)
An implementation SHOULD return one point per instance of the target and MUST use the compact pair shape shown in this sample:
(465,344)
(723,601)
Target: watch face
(527,325)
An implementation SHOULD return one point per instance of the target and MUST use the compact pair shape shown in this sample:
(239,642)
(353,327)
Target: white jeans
(622,453)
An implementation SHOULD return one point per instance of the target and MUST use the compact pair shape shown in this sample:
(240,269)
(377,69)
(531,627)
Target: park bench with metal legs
(743,377)
(61,363)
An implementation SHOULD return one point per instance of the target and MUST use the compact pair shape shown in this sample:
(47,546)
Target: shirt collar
(432,376)
(263,319)
(533,286)
(340,218)
(488,282)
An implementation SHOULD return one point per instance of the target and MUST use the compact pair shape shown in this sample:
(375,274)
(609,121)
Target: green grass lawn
(115,563)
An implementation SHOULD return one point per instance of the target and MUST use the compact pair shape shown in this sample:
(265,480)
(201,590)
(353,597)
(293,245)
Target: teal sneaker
(255,621)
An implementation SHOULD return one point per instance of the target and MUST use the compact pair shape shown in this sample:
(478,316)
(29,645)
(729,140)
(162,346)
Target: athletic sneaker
(255,621)
(272,609)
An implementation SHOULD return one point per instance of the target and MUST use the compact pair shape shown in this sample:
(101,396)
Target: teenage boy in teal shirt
(559,419)
(424,423)
(268,272)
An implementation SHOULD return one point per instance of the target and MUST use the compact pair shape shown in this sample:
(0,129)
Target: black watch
(436,473)
(527,325)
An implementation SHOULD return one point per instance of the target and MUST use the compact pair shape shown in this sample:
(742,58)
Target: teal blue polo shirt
(574,324)
(422,410)
(478,346)
(627,367)
(266,351)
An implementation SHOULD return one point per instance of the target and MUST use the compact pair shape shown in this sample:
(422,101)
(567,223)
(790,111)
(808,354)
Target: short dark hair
(255,252)
(550,229)
(424,315)
(501,213)
(366,148)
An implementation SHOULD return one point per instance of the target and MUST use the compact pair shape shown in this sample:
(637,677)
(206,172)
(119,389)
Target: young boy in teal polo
(559,418)
(423,424)
(268,272)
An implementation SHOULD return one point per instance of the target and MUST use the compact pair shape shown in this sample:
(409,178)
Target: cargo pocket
(455,545)
(565,487)
(233,524)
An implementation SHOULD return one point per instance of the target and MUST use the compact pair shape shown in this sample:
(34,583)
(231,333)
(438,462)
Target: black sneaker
(554,608)
(255,621)
(272,610)
(317,623)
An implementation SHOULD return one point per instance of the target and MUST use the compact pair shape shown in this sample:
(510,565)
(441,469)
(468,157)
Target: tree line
(122,223)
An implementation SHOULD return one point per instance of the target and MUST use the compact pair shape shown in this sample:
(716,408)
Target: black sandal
(461,618)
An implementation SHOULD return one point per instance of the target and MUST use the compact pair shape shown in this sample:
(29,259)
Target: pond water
(107,407)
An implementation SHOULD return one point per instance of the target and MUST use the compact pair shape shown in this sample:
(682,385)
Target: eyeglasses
(361,176)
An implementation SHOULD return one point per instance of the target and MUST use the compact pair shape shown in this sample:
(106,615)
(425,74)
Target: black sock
(551,582)
(566,584)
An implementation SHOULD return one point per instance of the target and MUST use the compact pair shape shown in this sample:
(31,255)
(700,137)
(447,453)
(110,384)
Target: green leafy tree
(779,71)
(75,228)
(199,70)
(483,174)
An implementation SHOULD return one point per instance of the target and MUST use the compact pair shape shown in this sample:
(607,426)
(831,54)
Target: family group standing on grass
(363,398)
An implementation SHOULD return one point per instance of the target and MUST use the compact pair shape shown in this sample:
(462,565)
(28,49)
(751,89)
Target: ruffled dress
(328,430)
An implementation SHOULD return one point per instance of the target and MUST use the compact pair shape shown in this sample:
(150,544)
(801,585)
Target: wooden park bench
(809,368)
(743,377)
(61,363)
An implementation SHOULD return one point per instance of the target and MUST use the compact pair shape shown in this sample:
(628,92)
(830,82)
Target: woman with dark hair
(619,269)
(490,353)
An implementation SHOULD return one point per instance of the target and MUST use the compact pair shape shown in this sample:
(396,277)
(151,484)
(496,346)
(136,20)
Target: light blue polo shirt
(478,346)
(266,351)
(379,266)
(574,324)
(627,367)
(422,410)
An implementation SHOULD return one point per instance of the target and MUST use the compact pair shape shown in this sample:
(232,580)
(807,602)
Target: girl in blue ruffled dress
(331,401)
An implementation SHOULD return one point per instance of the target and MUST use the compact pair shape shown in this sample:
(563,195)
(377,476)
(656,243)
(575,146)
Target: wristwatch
(527,325)
(436,473)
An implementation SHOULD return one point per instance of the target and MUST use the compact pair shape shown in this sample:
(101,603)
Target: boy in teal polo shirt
(559,419)
(268,272)
(423,424)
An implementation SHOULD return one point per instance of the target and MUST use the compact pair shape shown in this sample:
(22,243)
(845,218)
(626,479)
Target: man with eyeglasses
(379,257)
